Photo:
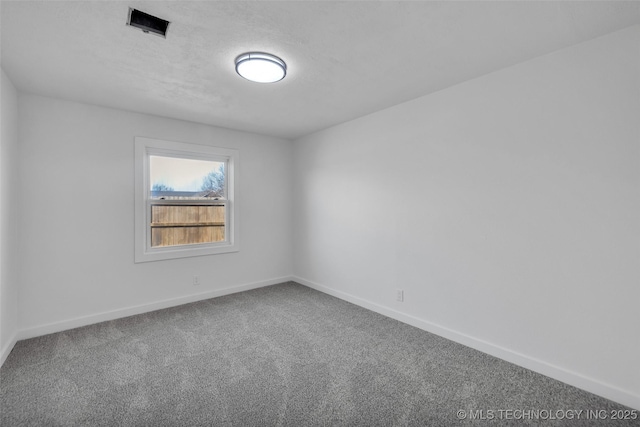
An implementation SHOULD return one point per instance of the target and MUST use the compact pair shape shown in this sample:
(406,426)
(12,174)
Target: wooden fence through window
(186,224)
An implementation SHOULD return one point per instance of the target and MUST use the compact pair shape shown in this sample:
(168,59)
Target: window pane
(173,225)
(177,177)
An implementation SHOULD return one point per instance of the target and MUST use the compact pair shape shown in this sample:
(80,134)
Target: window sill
(173,252)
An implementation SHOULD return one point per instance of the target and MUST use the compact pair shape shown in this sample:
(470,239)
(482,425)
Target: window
(185,204)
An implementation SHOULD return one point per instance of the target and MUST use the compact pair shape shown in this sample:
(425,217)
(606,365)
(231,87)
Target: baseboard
(575,379)
(77,322)
(4,352)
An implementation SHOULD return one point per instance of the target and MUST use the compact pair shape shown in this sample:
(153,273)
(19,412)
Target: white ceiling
(345,59)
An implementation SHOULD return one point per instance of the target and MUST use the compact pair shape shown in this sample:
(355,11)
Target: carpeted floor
(281,355)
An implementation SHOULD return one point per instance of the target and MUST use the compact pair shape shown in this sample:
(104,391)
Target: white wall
(507,208)
(77,206)
(8,215)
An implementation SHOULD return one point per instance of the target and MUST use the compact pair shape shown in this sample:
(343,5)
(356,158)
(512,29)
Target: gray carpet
(284,355)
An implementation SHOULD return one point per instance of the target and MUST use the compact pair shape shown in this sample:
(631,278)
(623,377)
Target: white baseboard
(4,352)
(575,379)
(77,322)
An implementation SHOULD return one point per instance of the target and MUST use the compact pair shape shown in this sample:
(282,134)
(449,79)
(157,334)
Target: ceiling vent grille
(147,23)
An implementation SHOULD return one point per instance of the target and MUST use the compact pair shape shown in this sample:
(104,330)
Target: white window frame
(145,147)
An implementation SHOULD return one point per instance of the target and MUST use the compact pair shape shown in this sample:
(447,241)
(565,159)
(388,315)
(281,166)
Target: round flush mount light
(261,67)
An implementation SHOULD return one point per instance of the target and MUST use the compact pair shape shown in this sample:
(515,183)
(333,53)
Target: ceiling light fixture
(261,67)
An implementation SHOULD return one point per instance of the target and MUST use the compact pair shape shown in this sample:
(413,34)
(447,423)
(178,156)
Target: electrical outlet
(399,295)
(196,280)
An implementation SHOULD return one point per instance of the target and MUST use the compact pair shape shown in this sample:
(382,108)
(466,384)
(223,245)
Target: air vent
(147,23)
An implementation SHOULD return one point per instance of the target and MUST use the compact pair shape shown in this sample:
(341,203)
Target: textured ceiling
(346,59)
